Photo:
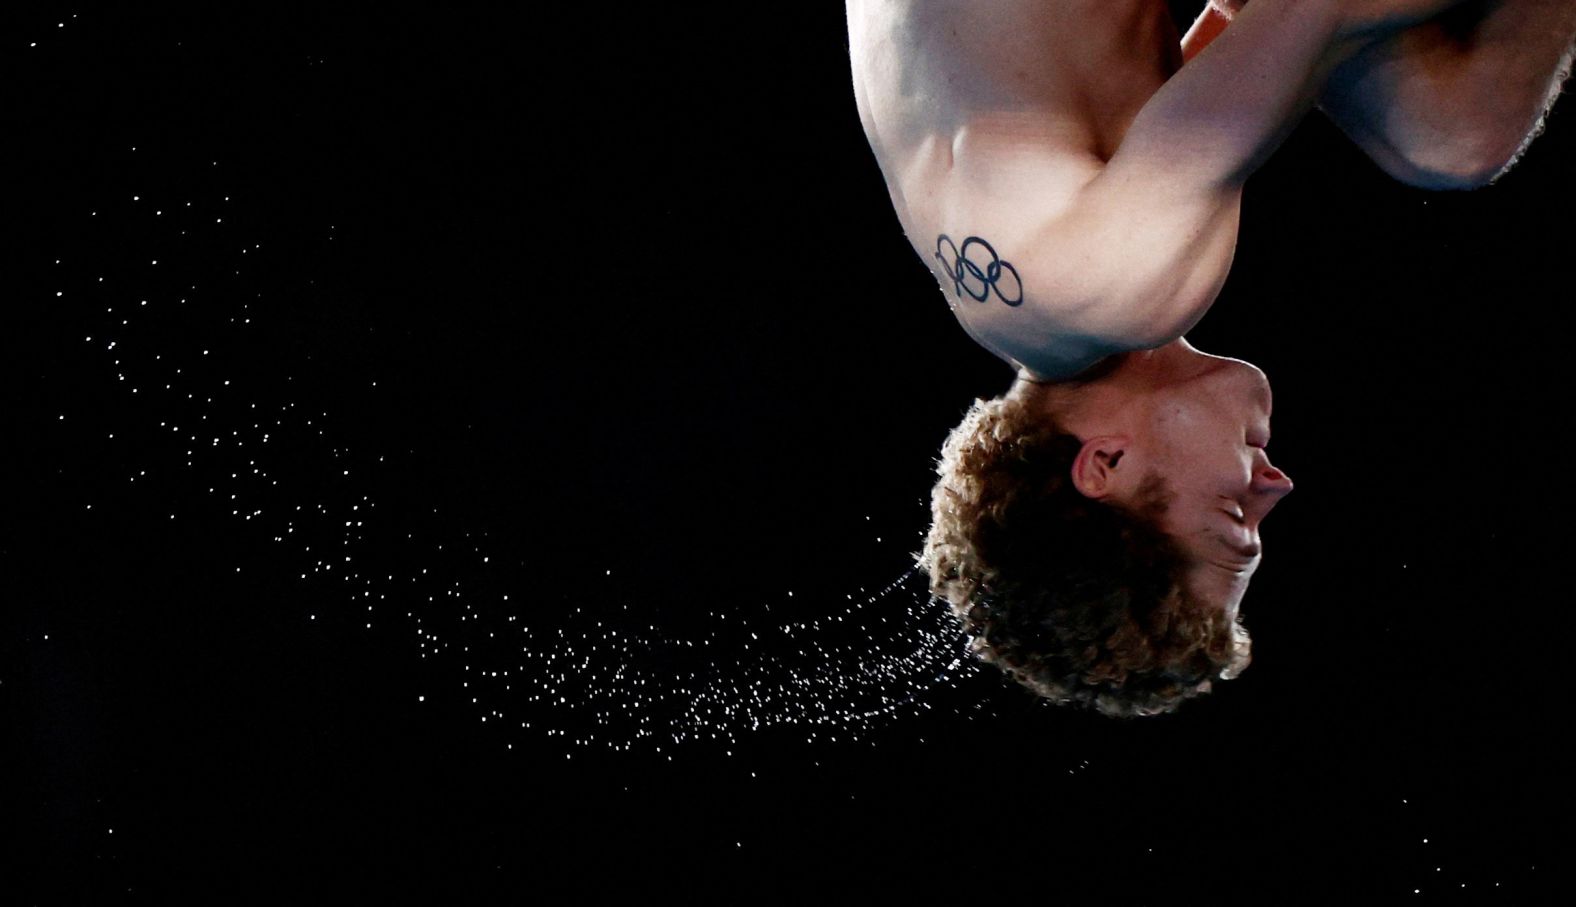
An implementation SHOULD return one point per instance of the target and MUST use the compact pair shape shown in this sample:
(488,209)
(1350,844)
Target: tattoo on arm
(980,275)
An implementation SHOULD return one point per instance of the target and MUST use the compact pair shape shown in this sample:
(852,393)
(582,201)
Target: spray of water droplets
(174,332)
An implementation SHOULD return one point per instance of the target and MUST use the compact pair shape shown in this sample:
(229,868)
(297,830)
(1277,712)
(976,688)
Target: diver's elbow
(1462,178)
(1461,163)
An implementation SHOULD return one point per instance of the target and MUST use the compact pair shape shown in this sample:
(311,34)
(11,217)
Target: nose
(1268,480)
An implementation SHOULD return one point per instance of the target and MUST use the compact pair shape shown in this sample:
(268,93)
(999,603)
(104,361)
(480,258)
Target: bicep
(1054,259)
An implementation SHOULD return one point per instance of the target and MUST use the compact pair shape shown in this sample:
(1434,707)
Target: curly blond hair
(1080,600)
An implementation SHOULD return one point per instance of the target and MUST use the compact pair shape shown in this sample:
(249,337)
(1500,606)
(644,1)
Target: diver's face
(1200,423)
(1206,437)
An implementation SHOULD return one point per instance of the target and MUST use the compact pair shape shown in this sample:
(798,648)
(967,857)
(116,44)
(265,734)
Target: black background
(634,299)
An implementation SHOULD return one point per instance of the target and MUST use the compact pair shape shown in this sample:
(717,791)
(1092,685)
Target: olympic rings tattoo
(963,271)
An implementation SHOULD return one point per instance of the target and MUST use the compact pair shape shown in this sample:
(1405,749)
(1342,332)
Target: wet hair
(1080,600)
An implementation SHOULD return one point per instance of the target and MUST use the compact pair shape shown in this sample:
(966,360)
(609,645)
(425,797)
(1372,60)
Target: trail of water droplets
(594,675)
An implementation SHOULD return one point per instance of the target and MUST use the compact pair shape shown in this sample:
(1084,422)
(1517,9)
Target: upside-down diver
(1072,173)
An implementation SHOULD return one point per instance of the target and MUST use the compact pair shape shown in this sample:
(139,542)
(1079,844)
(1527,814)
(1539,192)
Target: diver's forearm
(1219,117)
(1150,238)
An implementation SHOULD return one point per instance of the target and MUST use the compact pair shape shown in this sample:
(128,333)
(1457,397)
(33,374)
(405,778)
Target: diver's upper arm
(1051,269)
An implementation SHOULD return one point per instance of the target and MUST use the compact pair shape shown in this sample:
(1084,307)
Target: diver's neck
(1111,383)
(1173,358)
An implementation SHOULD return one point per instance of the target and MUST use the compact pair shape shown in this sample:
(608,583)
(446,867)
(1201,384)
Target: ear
(1095,468)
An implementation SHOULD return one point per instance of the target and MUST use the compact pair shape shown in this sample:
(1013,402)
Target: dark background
(634,299)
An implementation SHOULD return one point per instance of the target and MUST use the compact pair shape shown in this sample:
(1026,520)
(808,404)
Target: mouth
(1247,550)
(1240,539)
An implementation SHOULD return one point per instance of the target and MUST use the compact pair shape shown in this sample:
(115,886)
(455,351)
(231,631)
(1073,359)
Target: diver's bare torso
(1021,103)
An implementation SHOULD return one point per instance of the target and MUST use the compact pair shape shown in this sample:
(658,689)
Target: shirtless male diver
(1075,189)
